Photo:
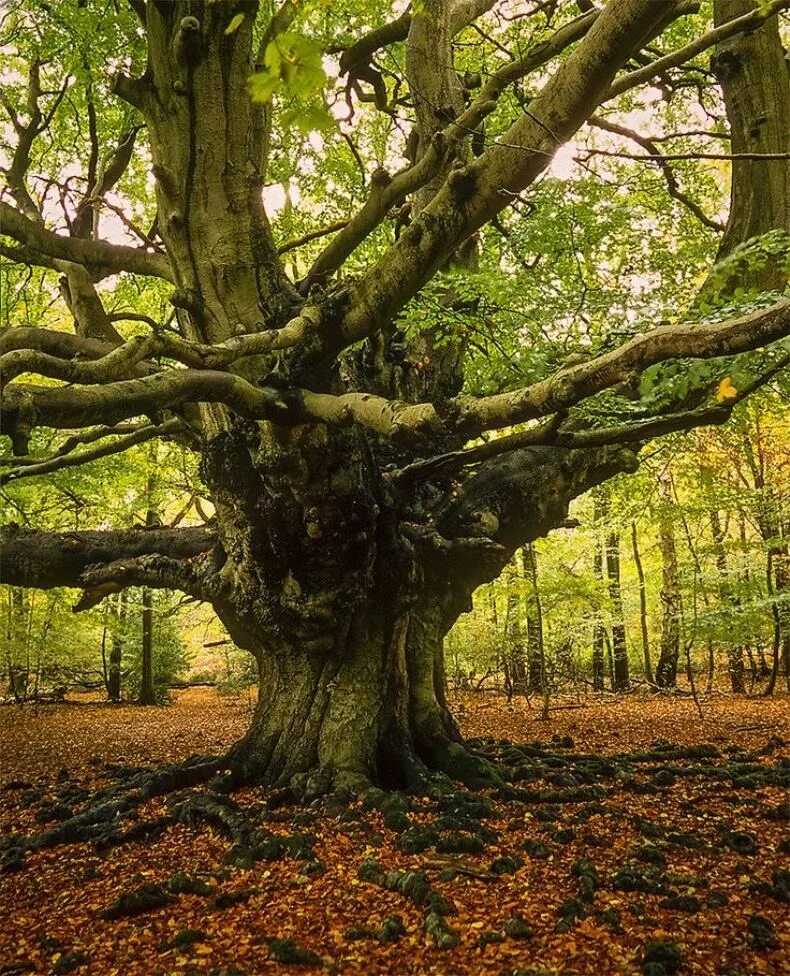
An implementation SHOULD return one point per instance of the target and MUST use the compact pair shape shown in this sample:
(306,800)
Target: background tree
(368,468)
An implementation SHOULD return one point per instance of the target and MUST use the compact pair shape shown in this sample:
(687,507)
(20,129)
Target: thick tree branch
(552,433)
(100,256)
(121,362)
(27,256)
(155,571)
(82,298)
(47,559)
(54,343)
(25,406)
(515,499)
(570,386)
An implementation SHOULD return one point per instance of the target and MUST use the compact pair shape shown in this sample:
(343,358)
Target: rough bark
(47,559)
(751,69)
(345,599)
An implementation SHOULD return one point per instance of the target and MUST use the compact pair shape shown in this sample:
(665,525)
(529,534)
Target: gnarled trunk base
(373,711)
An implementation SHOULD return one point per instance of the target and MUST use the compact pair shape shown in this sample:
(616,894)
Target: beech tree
(362,488)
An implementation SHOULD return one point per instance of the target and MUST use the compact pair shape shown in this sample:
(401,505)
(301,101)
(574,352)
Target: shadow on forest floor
(643,840)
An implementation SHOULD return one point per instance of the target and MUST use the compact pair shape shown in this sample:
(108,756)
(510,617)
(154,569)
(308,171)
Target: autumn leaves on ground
(644,840)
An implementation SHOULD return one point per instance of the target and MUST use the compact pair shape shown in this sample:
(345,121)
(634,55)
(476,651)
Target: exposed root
(109,817)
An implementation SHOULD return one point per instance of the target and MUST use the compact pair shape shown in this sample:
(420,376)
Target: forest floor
(679,848)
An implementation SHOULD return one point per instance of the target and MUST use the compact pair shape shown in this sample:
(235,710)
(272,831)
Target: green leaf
(271,56)
(262,85)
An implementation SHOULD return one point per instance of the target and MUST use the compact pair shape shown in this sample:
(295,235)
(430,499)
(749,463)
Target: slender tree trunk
(535,668)
(532,563)
(516,667)
(642,604)
(598,627)
(777,577)
(620,675)
(116,650)
(17,676)
(667,668)
(734,651)
(147,685)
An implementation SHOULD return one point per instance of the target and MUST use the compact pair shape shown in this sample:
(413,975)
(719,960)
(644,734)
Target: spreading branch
(101,257)
(555,433)
(570,386)
(673,187)
(410,179)
(140,435)
(47,559)
(25,406)
(475,193)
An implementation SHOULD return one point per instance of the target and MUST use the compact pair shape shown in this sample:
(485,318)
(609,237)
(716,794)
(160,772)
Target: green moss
(182,884)
(443,936)
(761,932)
(289,953)
(661,956)
(70,961)
(146,898)
(516,928)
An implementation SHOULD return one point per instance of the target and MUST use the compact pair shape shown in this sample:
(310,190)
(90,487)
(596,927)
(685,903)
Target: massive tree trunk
(344,591)
(370,709)
(753,73)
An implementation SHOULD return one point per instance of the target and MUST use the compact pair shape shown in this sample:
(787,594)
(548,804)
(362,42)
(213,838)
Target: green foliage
(293,70)
(170,658)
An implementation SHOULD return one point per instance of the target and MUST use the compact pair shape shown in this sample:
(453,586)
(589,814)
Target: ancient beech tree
(357,503)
